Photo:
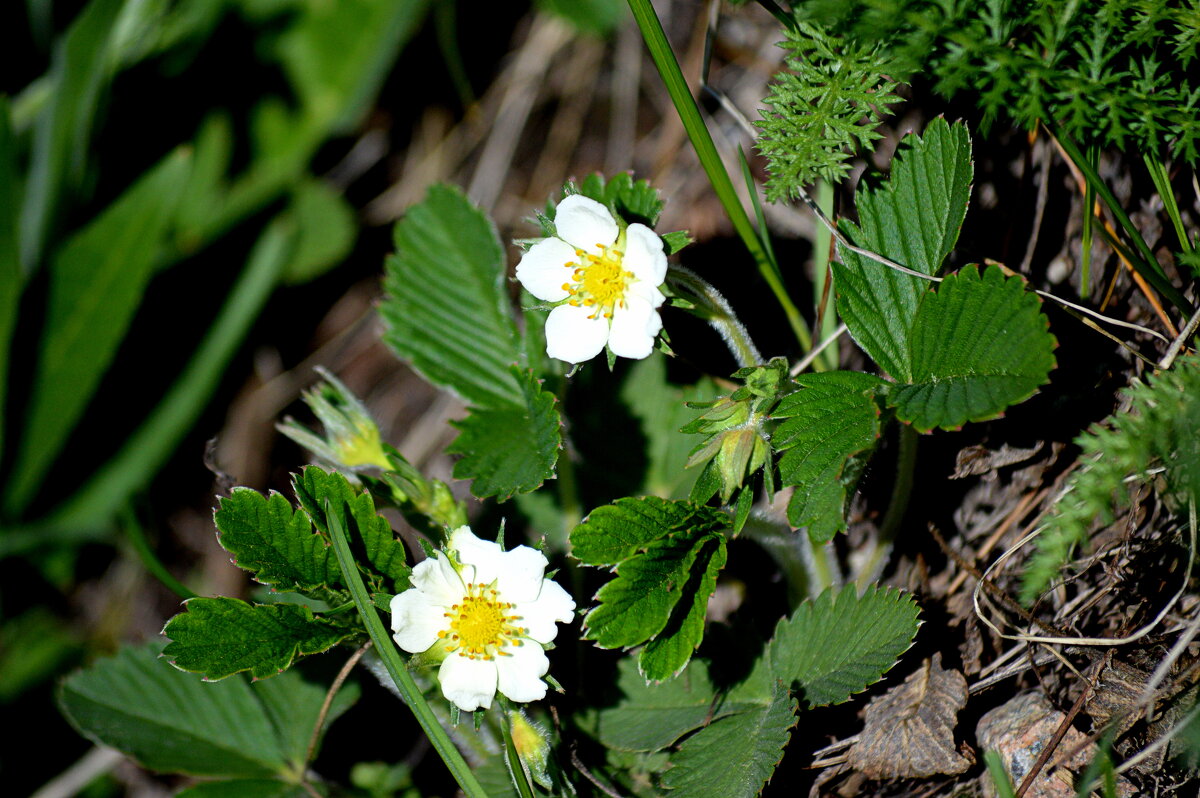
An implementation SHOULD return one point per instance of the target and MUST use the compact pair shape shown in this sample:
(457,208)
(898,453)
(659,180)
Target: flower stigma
(480,626)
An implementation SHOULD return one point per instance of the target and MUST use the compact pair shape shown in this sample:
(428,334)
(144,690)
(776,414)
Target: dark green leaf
(979,345)
(293,705)
(11,280)
(326,225)
(617,531)
(96,284)
(278,545)
(447,309)
(245,788)
(735,755)
(832,417)
(509,449)
(666,655)
(913,219)
(223,636)
(633,201)
(653,716)
(171,721)
(841,643)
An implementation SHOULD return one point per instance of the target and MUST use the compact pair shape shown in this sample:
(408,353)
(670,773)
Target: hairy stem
(711,306)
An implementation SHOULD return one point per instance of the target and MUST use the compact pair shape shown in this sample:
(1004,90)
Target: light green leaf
(11,279)
(840,643)
(246,788)
(653,716)
(223,636)
(97,281)
(384,552)
(615,532)
(666,655)
(512,448)
(447,309)
(171,721)
(326,225)
(832,417)
(913,219)
(278,545)
(734,756)
(980,344)
(662,410)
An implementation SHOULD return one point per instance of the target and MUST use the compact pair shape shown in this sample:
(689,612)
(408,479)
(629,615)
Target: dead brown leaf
(909,731)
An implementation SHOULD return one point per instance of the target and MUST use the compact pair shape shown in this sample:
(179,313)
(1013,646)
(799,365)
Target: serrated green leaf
(617,531)
(636,605)
(840,643)
(832,417)
(97,280)
(913,219)
(652,716)
(667,654)
(979,345)
(511,449)
(734,756)
(274,542)
(247,788)
(633,201)
(370,533)
(223,636)
(171,721)
(447,309)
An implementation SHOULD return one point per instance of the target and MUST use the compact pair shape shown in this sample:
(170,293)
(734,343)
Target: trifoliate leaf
(447,309)
(223,636)
(617,531)
(841,643)
(509,449)
(734,756)
(668,555)
(171,721)
(277,544)
(652,716)
(979,344)
(913,218)
(383,551)
(831,418)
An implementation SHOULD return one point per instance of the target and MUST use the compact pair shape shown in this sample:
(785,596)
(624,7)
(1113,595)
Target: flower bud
(532,742)
(351,439)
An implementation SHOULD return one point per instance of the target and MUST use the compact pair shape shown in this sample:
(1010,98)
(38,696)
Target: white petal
(572,336)
(521,573)
(483,557)
(644,255)
(541,616)
(634,328)
(644,290)
(521,674)
(470,683)
(543,269)
(437,579)
(416,621)
(585,223)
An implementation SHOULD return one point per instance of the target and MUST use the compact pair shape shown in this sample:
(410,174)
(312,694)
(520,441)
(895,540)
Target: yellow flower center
(481,626)
(599,281)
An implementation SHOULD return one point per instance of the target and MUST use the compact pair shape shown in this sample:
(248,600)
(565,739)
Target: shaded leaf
(245,788)
(908,731)
(841,643)
(223,636)
(734,756)
(832,417)
(666,655)
(980,344)
(509,449)
(652,716)
(11,280)
(293,704)
(326,226)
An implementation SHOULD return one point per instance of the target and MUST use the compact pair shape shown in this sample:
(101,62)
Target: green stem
(1145,263)
(396,667)
(821,252)
(906,461)
(706,151)
(137,538)
(1089,220)
(716,310)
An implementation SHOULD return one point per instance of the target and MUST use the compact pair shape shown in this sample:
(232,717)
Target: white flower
(489,613)
(609,278)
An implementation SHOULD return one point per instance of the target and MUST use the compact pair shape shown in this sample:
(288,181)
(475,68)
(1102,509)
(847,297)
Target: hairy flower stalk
(485,614)
(604,278)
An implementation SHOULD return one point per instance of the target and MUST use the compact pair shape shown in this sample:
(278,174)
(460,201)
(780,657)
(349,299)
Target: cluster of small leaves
(1108,72)
(667,557)
(738,442)
(822,110)
(280,547)
(828,650)
(1158,430)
